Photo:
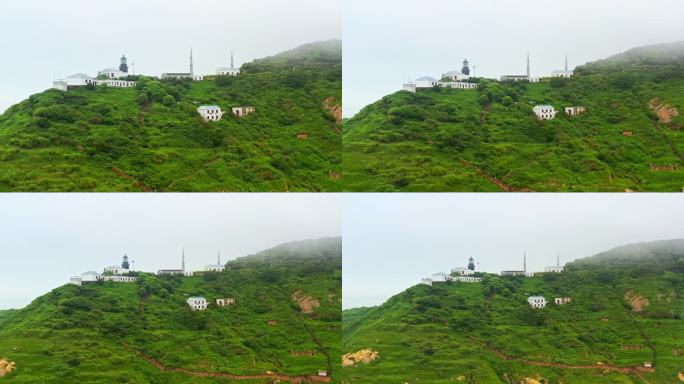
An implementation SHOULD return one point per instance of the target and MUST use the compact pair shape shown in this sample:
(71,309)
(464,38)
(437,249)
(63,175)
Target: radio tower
(191,67)
(528,65)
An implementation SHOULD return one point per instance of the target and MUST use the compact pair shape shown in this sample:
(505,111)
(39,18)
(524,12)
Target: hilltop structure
(115,73)
(115,273)
(563,72)
(525,77)
(555,268)
(183,75)
(218,267)
(181,271)
(228,71)
(111,77)
(518,273)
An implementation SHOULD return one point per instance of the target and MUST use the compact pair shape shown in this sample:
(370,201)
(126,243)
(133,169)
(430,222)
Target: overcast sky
(42,40)
(387,42)
(47,238)
(391,241)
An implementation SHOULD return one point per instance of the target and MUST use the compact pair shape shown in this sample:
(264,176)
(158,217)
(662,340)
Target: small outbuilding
(197,303)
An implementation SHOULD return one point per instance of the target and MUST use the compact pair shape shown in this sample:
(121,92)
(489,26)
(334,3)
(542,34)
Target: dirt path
(317,341)
(136,183)
(294,379)
(634,370)
(492,179)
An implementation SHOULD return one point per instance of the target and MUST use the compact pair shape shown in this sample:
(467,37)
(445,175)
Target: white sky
(42,40)
(387,42)
(391,241)
(47,238)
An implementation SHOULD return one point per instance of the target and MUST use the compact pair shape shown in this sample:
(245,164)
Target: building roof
(226,69)
(544,106)
(196,298)
(453,73)
(427,78)
(79,76)
(90,273)
(209,107)
(536,298)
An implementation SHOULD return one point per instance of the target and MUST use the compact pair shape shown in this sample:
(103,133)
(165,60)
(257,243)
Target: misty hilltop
(623,132)
(150,137)
(616,323)
(283,324)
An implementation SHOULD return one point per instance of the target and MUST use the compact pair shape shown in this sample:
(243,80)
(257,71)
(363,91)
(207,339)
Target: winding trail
(294,379)
(632,370)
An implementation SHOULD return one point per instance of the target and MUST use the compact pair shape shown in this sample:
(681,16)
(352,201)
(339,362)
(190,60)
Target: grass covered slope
(489,139)
(146,333)
(152,138)
(626,309)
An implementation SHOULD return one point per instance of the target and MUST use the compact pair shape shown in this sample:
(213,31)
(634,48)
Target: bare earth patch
(6,367)
(680,376)
(365,356)
(334,108)
(664,111)
(637,302)
(307,304)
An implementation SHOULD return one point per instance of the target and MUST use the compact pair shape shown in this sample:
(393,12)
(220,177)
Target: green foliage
(98,333)
(460,332)
(467,140)
(151,137)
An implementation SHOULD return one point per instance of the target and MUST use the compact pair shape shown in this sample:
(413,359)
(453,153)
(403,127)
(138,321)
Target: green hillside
(626,309)
(488,139)
(146,333)
(151,137)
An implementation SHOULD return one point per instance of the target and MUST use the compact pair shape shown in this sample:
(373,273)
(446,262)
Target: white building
(428,82)
(228,71)
(426,281)
(513,273)
(468,279)
(455,76)
(197,303)
(91,277)
(210,112)
(462,271)
(117,270)
(537,301)
(225,302)
(554,269)
(117,279)
(112,73)
(562,300)
(575,110)
(81,80)
(218,267)
(243,111)
(544,112)
(87,277)
(562,73)
(440,277)
(116,73)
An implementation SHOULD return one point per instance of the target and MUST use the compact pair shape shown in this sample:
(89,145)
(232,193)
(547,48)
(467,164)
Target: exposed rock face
(334,108)
(637,302)
(307,304)
(365,356)
(664,111)
(6,367)
(680,376)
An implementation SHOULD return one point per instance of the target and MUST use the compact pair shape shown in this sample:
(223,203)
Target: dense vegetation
(626,309)
(113,332)
(489,139)
(152,138)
